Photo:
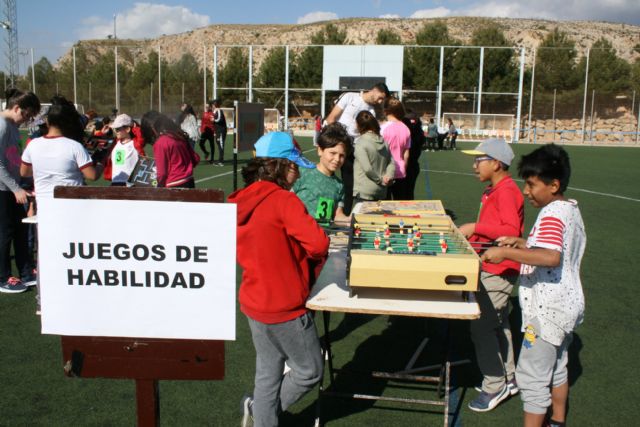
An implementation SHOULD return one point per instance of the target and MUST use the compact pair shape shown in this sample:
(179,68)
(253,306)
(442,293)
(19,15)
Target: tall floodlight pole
(75,91)
(33,72)
(9,22)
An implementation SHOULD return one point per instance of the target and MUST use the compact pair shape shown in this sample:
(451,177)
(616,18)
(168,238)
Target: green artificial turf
(603,374)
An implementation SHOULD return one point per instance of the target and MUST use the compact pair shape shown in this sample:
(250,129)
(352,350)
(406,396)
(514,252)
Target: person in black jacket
(418,140)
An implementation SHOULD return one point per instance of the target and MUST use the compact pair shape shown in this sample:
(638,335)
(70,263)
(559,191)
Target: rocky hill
(522,32)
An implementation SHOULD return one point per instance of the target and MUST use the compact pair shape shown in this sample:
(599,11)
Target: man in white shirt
(345,111)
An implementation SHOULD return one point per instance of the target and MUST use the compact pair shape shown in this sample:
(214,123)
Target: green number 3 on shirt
(324,208)
(119,157)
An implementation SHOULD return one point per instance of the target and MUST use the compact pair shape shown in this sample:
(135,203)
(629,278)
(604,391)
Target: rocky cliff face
(526,33)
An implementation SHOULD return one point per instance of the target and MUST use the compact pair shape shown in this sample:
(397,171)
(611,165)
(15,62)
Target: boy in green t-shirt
(320,189)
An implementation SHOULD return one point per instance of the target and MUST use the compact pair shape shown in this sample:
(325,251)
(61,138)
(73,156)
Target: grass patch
(603,354)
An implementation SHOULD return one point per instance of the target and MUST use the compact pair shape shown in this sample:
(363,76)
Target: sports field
(604,377)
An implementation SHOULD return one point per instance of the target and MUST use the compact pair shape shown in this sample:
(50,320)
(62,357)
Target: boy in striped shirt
(551,294)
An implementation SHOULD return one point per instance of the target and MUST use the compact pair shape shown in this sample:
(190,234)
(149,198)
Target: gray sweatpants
(491,333)
(541,365)
(295,342)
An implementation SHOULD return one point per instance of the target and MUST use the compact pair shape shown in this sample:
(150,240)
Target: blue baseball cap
(280,145)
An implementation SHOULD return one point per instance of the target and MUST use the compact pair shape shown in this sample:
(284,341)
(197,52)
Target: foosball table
(410,251)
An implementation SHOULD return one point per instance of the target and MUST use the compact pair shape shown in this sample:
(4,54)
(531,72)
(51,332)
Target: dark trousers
(398,190)
(452,141)
(347,181)
(221,137)
(413,170)
(204,136)
(12,230)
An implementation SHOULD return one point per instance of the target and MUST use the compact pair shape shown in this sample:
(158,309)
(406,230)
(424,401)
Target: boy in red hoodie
(279,246)
(501,213)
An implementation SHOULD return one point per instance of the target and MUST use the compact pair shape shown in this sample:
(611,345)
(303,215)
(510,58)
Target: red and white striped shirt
(553,295)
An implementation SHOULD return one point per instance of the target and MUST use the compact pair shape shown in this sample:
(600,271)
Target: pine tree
(271,74)
(556,63)
(607,72)
(422,64)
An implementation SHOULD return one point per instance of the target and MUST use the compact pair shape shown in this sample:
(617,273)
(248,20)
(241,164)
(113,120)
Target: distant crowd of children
(281,246)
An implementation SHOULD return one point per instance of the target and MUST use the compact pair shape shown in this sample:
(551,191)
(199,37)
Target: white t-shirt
(351,104)
(124,158)
(554,295)
(55,161)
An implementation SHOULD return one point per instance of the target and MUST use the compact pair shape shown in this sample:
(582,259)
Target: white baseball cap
(496,148)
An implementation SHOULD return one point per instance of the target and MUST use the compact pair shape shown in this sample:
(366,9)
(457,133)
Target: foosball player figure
(387,231)
(410,245)
(401,225)
(376,242)
(415,228)
(356,229)
(443,243)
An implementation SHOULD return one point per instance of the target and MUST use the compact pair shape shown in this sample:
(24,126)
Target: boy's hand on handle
(467,229)
(387,181)
(493,255)
(511,242)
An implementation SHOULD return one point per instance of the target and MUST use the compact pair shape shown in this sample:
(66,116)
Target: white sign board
(146,269)
(362,61)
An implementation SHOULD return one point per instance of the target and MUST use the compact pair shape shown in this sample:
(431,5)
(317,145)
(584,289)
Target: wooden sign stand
(146,360)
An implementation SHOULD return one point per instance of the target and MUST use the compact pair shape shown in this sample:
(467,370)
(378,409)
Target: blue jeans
(295,342)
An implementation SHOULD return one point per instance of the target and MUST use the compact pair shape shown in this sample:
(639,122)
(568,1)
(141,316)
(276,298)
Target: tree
(329,35)
(184,73)
(556,63)
(388,37)
(46,78)
(499,72)
(422,64)
(607,72)
(271,74)
(234,73)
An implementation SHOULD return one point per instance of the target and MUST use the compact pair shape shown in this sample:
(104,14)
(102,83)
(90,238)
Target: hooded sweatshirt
(279,246)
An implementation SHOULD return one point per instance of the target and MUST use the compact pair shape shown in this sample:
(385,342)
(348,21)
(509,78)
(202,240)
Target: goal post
(477,127)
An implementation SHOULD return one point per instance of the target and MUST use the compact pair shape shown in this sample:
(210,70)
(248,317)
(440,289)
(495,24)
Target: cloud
(144,20)
(438,12)
(599,10)
(317,16)
(390,16)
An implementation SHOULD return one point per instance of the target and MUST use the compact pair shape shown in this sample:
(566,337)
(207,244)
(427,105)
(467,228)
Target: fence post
(159,81)
(440,77)
(480,81)
(584,103)
(75,92)
(116,62)
(533,79)
(250,91)
(204,74)
(286,87)
(520,83)
(553,117)
(593,96)
(215,71)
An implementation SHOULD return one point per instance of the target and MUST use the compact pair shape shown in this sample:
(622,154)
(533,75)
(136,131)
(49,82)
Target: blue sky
(51,27)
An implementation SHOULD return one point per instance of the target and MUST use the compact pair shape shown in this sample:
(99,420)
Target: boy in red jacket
(501,213)
(279,245)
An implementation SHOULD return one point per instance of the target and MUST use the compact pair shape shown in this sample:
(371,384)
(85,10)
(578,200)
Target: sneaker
(12,285)
(246,406)
(511,385)
(29,280)
(219,163)
(486,402)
